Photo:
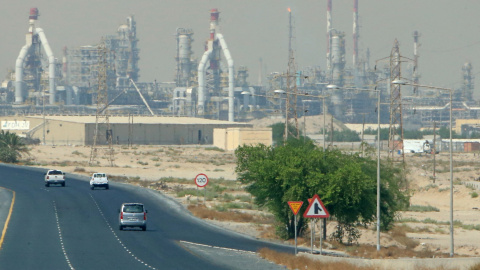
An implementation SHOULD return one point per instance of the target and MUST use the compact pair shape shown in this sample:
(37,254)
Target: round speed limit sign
(201,180)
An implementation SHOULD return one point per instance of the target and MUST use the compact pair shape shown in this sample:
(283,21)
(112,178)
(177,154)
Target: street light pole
(451,180)
(451,155)
(279,91)
(378,153)
(305,119)
(378,170)
(323,107)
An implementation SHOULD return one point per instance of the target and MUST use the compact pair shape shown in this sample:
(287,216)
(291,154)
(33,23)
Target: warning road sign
(316,209)
(295,206)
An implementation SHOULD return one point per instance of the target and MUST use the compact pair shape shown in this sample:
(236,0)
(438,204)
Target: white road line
(61,237)
(223,248)
(118,239)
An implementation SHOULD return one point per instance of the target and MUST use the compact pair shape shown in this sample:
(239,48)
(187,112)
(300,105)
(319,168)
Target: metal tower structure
(102,115)
(291,90)
(396,121)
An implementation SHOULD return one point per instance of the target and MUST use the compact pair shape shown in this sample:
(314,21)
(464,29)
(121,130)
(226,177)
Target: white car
(99,180)
(56,177)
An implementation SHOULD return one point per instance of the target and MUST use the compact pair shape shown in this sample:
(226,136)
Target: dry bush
(298,262)
(475,267)
(79,169)
(203,212)
(268,232)
(399,234)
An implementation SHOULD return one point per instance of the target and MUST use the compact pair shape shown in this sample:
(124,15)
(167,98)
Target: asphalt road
(74,227)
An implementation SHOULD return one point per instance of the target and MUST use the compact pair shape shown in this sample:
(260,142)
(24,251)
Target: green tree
(11,147)
(278,131)
(344,136)
(412,134)
(296,171)
(444,132)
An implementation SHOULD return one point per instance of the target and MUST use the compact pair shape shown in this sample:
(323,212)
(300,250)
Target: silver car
(132,215)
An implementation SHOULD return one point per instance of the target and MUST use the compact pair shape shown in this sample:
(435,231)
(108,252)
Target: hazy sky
(259,28)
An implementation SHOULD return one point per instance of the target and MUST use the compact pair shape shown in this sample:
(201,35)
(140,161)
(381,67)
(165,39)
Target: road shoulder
(5,204)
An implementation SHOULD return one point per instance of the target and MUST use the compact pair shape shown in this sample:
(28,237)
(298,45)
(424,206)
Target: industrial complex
(47,88)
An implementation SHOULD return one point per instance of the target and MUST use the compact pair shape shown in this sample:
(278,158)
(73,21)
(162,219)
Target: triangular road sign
(295,206)
(316,209)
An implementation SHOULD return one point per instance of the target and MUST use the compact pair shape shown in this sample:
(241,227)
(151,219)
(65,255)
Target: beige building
(79,130)
(231,138)
(465,122)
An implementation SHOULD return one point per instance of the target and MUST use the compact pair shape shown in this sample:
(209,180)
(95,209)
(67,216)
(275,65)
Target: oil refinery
(208,85)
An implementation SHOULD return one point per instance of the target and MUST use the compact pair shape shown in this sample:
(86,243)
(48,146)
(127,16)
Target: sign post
(312,230)
(316,209)
(201,180)
(295,206)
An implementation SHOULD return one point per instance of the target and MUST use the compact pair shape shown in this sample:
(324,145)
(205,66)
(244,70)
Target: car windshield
(99,175)
(55,172)
(133,208)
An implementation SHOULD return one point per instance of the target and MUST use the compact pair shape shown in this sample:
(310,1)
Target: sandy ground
(154,162)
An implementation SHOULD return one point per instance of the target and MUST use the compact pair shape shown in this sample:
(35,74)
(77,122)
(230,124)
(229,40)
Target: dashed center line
(118,239)
(61,237)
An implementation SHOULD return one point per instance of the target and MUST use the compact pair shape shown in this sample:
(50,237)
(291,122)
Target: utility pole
(363,132)
(291,110)
(434,148)
(102,114)
(331,132)
(396,120)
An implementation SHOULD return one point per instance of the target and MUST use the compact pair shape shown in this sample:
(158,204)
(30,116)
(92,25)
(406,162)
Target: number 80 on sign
(201,180)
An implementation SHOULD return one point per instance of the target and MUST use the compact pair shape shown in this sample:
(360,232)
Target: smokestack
(329,35)
(355,33)
(214,14)
(33,14)
(415,76)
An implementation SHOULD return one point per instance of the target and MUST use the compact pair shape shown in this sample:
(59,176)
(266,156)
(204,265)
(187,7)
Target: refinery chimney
(212,55)
(329,35)
(355,33)
(415,76)
(32,37)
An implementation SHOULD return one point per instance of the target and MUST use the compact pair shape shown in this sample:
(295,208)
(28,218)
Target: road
(74,227)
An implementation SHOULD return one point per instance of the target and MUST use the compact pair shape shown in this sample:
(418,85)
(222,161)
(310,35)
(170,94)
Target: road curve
(74,227)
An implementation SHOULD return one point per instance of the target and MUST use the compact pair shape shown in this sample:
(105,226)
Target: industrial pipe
(231,77)
(51,64)
(19,73)
(201,81)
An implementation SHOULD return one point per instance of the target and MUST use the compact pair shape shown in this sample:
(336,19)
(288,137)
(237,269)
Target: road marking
(118,239)
(61,237)
(8,217)
(223,248)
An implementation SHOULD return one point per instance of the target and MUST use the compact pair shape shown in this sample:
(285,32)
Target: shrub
(7,155)
(474,194)
(423,208)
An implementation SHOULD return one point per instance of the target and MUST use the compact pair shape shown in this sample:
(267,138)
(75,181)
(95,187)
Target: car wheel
(120,227)
(106,187)
(47,184)
(91,187)
(144,228)
(63,184)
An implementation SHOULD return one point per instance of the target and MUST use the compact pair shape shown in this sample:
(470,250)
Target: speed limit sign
(201,180)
